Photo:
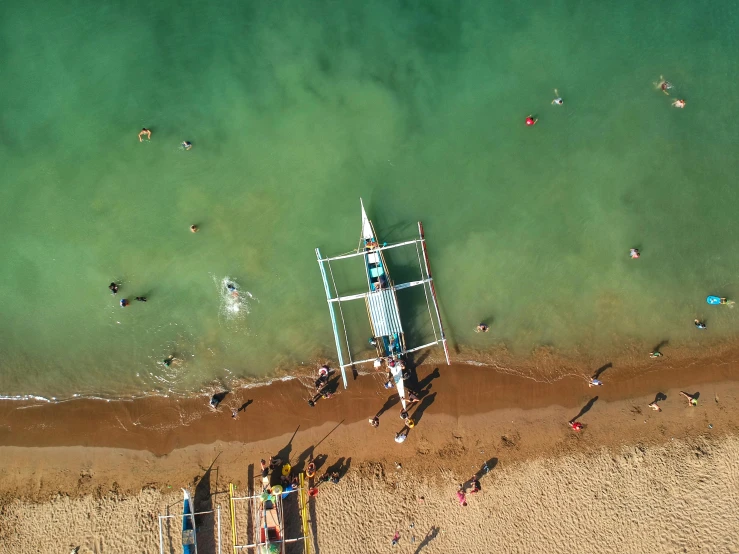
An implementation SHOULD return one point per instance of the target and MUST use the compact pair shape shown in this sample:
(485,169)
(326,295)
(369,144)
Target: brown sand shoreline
(162,424)
(96,474)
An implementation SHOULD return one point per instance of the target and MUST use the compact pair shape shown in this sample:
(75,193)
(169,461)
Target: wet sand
(95,474)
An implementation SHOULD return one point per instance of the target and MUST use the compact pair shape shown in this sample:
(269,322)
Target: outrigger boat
(189,539)
(382,302)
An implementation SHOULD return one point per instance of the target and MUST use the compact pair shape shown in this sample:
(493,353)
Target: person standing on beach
(655,407)
(143,132)
(400,437)
(375,422)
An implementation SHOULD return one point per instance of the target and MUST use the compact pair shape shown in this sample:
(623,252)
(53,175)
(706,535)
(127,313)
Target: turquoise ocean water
(296,110)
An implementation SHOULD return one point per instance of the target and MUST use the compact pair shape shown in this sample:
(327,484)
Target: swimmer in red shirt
(531,121)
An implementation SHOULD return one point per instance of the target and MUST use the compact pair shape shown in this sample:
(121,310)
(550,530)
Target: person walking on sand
(595,382)
(375,422)
(396,538)
(575,425)
(692,400)
(655,407)
(400,437)
(143,132)
(699,324)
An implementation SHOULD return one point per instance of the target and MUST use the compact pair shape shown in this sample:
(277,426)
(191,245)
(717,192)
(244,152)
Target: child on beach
(461,496)
(575,425)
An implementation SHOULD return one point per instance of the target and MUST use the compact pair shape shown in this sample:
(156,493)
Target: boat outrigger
(189,539)
(382,302)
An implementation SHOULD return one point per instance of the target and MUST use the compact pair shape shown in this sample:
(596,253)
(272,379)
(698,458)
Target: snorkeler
(113,288)
(186,145)
(558,100)
(531,121)
(146,132)
(679,103)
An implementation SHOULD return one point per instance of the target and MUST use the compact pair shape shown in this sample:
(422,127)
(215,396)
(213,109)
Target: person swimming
(679,103)
(634,253)
(113,288)
(141,298)
(531,121)
(168,360)
(194,228)
(186,144)
(143,132)
(699,324)
(124,303)
(664,85)
(232,289)
(558,100)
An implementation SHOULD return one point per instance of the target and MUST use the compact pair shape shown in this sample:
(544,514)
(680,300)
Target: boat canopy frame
(381,304)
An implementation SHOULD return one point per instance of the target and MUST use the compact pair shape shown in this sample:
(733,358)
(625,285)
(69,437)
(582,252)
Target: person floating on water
(634,253)
(531,121)
(232,289)
(679,103)
(143,132)
(194,228)
(481,328)
(699,324)
(141,298)
(124,302)
(186,145)
(113,288)
(664,85)
(168,360)
(558,100)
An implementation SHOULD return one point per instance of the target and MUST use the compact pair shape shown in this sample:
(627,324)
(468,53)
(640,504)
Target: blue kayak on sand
(713,300)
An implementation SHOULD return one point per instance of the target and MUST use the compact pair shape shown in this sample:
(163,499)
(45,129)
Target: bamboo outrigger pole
(433,293)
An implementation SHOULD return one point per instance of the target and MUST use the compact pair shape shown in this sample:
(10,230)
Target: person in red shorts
(575,425)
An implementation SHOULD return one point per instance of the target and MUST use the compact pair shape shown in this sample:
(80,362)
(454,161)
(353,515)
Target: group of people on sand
(322,389)
(278,477)
(595,382)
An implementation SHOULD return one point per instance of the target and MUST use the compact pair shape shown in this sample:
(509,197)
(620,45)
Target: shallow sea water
(295,111)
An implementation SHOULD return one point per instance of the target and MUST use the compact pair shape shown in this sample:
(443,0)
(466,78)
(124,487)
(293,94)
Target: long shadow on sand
(424,404)
(586,408)
(431,535)
(392,400)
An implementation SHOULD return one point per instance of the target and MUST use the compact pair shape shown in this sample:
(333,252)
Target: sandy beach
(96,474)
